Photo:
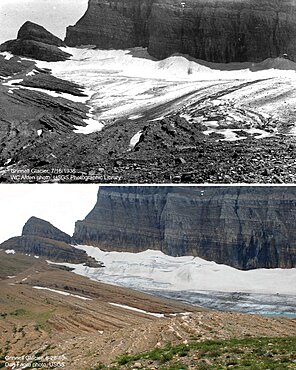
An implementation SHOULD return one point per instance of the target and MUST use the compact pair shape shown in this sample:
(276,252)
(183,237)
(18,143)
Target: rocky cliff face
(33,31)
(38,227)
(36,42)
(112,24)
(245,227)
(40,238)
(219,31)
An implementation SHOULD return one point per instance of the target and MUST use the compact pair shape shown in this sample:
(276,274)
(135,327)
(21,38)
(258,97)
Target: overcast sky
(59,204)
(54,15)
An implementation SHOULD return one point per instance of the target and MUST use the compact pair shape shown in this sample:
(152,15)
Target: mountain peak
(34,41)
(33,31)
(37,227)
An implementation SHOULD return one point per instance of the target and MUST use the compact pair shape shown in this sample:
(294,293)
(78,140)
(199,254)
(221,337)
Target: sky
(54,15)
(59,204)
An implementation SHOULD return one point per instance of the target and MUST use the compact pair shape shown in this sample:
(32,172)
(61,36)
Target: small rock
(180,160)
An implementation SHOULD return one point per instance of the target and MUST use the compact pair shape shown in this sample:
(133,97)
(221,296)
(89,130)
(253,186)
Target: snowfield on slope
(128,83)
(153,270)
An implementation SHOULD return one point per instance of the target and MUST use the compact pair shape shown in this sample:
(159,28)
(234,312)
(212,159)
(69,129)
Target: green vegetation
(40,318)
(248,353)
(18,312)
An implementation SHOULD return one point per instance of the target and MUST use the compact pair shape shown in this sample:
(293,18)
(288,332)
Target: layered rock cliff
(245,227)
(218,31)
(34,41)
(40,238)
(38,227)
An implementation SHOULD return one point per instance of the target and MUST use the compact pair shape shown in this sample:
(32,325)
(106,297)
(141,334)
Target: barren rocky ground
(72,318)
(228,131)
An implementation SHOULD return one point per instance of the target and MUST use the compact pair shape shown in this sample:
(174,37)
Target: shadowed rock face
(34,41)
(112,24)
(38,227)
(33,31)
(219,31)
(245,227)
(44,247)
(41,238)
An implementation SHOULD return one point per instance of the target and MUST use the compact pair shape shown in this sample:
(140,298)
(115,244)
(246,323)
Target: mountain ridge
(224,31)
(244,227)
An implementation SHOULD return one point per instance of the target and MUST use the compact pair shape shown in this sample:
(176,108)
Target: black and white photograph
(147,91)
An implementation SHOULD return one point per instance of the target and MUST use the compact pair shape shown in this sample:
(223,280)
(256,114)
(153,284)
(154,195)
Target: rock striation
(34,41)
(38,227)
(40,238)
(35,32)
(244,227)
(219,31)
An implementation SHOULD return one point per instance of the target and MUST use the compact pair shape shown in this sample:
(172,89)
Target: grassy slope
(249,353)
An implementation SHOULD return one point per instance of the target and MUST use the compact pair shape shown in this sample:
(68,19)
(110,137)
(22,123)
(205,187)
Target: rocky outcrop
(245,227)
(112,24)
(38,227)
(40,238)
(34,41)
(224,31)
(35,32)
(220,31)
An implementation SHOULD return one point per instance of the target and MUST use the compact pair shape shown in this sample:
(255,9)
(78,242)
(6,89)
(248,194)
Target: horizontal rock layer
(33,31)
(220,31)
(40,238)
(34,41)
(35,49)
(38,227)
(245,227)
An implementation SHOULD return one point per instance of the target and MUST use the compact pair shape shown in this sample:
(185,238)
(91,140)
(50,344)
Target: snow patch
(135,116)
(32,73)
(93,125)
(62,293)
(8,161)
(12,82)
(231,135)
(7,55)
(135,139)
(74,98)
(137,310)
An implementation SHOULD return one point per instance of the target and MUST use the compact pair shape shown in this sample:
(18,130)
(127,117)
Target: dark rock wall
(223,30)
(34,41)
(125,218)
(219,31)
(34,49)
(112,24)
(33,31)
(245,227)
(41,238)
(38,227)
(44,247)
